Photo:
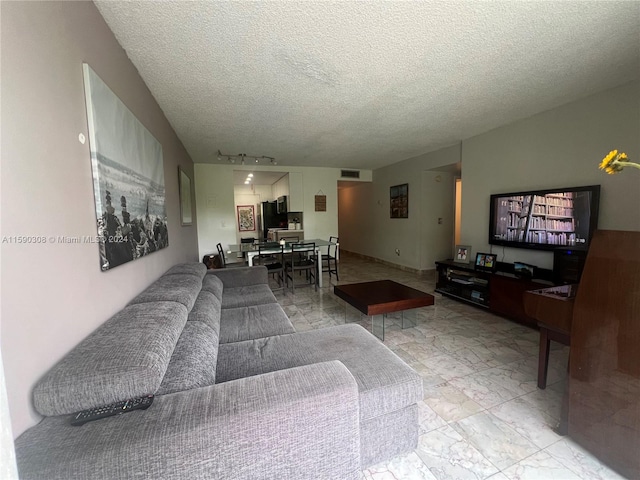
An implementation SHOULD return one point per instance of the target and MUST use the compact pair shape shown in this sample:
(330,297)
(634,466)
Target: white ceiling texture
(355,84)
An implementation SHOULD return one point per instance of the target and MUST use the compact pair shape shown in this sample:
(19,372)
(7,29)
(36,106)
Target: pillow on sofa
(124,358)
(193,363)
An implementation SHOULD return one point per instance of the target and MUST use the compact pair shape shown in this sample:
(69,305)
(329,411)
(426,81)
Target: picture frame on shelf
(462,254)
(486,261)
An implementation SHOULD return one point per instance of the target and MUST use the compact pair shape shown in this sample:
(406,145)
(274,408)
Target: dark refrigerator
(271,218)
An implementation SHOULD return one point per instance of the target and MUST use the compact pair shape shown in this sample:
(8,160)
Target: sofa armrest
(241,277)
(297,423)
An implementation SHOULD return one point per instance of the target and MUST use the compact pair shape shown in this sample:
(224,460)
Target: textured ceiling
(366,84)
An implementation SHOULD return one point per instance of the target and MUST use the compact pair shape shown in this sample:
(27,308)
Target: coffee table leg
(409,318)
(377,326)
(351,314)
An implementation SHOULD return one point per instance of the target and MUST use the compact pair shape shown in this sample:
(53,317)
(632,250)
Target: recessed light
(250,175)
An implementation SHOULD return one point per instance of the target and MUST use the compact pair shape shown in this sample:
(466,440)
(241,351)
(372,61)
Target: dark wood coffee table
(378,298)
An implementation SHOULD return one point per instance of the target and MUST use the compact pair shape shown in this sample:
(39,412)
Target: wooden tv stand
(500,292)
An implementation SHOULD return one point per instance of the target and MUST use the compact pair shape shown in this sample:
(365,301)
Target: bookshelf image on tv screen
(545,219)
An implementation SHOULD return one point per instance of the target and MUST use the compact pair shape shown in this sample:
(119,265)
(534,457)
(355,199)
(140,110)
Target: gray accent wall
(557,148)
(53,293)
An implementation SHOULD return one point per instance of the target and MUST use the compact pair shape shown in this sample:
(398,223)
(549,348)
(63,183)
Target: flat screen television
(544,219)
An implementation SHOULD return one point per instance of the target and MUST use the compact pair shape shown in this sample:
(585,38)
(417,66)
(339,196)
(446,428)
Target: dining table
(252,249)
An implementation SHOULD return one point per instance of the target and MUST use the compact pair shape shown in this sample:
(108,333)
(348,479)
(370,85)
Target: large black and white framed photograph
(185,198)
(128,178)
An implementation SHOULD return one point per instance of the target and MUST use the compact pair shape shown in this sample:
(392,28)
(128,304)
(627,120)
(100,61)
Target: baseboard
(387,263)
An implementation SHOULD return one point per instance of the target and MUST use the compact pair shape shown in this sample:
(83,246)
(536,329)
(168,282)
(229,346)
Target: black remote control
(119,408)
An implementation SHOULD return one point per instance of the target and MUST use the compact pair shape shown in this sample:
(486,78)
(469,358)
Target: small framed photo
(486,261)
(463,254)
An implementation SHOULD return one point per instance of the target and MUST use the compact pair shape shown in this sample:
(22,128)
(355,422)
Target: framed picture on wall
(128,178)
(399,201)
(246,218)
(185,197)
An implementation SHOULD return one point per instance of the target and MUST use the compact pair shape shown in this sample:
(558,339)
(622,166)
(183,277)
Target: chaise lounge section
(238,393)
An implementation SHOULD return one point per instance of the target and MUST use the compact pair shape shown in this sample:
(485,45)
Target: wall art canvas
(185,198)
(128,178)
(246,218)
(399,200)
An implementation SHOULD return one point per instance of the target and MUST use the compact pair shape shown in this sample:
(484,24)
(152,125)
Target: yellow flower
(614,162)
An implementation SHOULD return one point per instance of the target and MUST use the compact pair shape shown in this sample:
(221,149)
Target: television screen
(545,219)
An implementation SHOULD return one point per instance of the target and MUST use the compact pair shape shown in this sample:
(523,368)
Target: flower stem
(627,164)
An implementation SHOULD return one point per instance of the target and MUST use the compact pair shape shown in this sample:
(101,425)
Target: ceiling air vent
(350,174)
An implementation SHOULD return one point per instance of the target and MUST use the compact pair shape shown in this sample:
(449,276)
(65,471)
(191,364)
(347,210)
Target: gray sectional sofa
(238,393)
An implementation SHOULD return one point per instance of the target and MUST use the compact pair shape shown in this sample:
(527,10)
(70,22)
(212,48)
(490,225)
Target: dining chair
(271,255)
(302,259)
(224,261)
(331,257)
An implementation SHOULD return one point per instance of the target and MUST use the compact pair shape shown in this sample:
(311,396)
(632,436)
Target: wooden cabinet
(500,292)
(604,382)
(506,292)
(462,282)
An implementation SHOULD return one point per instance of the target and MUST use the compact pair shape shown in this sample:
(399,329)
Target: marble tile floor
(482,416)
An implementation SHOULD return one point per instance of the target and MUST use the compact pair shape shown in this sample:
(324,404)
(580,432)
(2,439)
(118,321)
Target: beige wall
(54,295)
(558,148)
(418,238)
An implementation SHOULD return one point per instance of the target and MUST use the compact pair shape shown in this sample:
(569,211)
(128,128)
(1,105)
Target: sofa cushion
(258,321)
(196,268)
(211,283)
(182,288)
(126,357)
(240,277)
(206,309)
(385,382)
(247,296)
(193,363)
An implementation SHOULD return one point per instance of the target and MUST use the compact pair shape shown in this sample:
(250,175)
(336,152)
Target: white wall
(216,209)
(558,148)
(54,295)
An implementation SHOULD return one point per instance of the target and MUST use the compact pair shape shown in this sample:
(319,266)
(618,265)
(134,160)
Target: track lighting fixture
(243,156)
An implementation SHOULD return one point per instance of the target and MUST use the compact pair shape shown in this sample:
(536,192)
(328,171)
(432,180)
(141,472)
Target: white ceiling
(366,84)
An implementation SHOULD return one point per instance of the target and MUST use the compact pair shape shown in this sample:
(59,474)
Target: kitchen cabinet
(296,192)
(281,187)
